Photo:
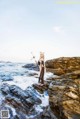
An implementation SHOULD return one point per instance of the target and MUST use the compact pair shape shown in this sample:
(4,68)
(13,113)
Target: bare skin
(41,67)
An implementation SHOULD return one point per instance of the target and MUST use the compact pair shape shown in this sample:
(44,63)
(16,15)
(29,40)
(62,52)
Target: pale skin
(41,66)
(40,59)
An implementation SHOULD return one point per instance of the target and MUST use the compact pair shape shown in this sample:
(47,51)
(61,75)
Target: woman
(41,67)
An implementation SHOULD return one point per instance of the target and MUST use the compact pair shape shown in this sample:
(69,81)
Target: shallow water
(15,74)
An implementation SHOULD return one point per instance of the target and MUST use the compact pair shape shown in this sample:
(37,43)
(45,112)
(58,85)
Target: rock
(31,67)
(13,90)
(64,98)
(56,71)
(33,74)
(6,108)
(5,89)
(21,100)
(72,95)
(40,87)
(48,114)
(63,65)
(64,92)
(6,78)
(33,94)
(18,104)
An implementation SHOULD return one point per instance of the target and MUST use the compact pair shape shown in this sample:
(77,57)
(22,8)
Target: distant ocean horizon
(9,61)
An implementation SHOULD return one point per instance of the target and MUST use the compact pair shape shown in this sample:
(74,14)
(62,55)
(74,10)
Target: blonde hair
(41,55)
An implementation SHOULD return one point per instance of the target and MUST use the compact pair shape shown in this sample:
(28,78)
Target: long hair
(42,56)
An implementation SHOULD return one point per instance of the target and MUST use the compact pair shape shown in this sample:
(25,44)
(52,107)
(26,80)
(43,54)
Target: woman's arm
(35,60)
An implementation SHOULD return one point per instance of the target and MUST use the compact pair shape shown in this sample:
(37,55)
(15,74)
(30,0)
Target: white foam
(23,81)
(48,75)
(13,110)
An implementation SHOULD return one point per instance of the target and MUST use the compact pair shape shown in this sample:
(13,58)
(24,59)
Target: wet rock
(5,89)
(13,114)
(5,108)
(13,90)
(33,94)
(19,104)
(32,67)
(21,100)
(6,77)
(48,114)
(32,74)
(40,87)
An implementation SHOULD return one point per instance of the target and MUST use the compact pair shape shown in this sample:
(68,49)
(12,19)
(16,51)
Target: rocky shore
(64,87)
(18,96)
(23,104)
(63,90)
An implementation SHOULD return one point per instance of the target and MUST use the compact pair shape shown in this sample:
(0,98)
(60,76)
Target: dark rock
(5,89)
(21,100)
(6,78)
(18,92)
(32,74)
(32,67)
(40,87)
(48,114)
(18,104)
(6,108)
(33,94)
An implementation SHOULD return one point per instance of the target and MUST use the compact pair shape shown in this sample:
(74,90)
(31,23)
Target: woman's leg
(39,80)
(42,75)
